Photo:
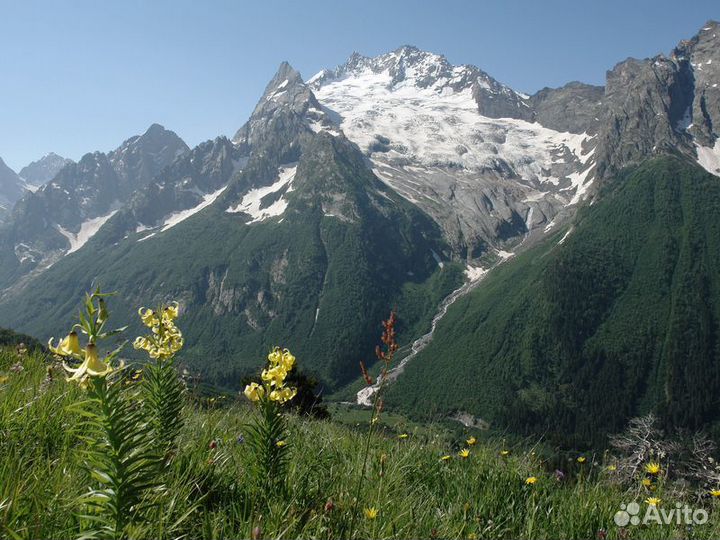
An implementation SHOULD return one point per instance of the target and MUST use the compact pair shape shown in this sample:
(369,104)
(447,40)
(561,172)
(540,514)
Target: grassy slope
(209,494)
(572,339)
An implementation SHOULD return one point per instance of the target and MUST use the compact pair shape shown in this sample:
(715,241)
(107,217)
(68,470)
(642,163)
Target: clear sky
(83,75)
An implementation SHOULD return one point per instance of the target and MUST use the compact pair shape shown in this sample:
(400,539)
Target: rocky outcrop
(576,107)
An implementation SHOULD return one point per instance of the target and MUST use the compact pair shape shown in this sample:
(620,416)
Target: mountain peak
(43,170)
(284,103)
(286,76)
(156,129)
(156,140)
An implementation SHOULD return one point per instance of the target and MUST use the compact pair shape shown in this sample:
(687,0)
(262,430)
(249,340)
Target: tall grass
(210,491)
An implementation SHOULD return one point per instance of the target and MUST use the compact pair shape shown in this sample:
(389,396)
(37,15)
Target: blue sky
(83,75)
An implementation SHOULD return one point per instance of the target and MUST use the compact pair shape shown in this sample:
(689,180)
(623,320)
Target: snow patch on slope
(437,126)
(709,158)
(177,217)
(87,230)
(252,201)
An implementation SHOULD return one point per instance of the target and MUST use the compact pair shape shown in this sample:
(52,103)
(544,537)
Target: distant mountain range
(576,215)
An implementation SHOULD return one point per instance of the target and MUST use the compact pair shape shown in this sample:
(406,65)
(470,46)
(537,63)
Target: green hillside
(572,338)
(315,282)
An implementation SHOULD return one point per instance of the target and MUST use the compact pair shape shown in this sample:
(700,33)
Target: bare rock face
(701,57)
(575,107)
(184,184)
(278,118)
(641,96)
(662,105)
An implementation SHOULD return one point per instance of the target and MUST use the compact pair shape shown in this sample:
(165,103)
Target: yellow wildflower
(581,459)
(653,501)
(275,357)
(403,436)
(92,366)
(283,395)
(287,361)
(371,513)
(504,453)
(254,392)
(471,441)
(288,394)
(646,482)
(531,480)
(148,317)
(171,311)
(166,339)
(446,458)
(68,346)
(653,468)
(4,379)
(715,493)
(464,453)
(612,468)
(275,376)
(280,444)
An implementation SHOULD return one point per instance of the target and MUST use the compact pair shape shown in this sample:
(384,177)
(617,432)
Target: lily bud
(103,314)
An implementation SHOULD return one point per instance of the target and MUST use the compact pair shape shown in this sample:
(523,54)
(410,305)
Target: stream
(365,396)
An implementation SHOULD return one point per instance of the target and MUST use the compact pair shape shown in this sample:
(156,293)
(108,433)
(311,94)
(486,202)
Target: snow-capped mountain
(43,170)
(457,143)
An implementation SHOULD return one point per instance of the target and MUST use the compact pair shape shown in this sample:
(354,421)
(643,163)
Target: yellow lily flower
(92,366)
(254,392)
(288,394)
(68,346)
(172,311)
(275,356)
(283,395)
(275,376)
(148,317)
(287,361)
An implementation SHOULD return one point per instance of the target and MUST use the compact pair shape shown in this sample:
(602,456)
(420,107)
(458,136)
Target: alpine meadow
(403,300)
